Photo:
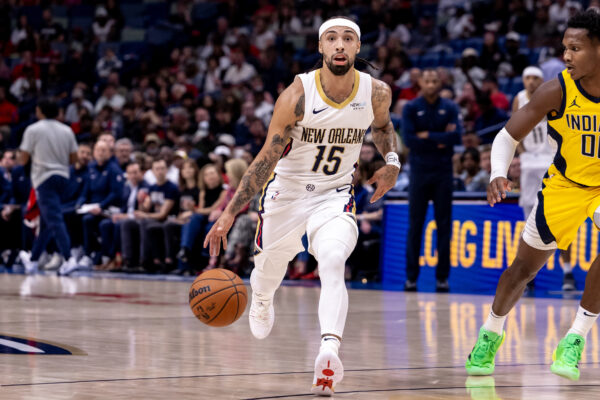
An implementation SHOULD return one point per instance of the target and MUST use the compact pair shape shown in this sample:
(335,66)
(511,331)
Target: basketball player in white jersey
(538,154)
(305,170)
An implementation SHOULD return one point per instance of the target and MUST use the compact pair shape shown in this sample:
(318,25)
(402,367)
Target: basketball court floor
(138,339)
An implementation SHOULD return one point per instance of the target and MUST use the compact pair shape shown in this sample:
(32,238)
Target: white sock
(494,323)
(567,268)
(584,321)
(330,342)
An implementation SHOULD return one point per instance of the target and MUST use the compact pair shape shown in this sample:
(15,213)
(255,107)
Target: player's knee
(521,271)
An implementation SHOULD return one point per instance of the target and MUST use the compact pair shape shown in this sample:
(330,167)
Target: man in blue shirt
(110,228)
(104,191)
(78,181)
(17,235)
(431,128)
(161,201)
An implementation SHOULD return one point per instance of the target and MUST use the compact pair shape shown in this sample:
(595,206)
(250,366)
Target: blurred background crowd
(171,100)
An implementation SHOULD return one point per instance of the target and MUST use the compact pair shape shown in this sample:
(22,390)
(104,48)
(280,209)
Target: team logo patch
(358,106)
(29,346)
(274,196)
(310,187)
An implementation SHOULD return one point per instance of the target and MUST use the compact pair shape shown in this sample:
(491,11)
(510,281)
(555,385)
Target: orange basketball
(218,297)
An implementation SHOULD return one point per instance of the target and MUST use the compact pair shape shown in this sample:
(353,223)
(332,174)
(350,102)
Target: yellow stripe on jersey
(576,129)
(327,99)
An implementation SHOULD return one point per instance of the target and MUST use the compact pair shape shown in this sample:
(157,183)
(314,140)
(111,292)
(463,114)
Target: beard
(338,70)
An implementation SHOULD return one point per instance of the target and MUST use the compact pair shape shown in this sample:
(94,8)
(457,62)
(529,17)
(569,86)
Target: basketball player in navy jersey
(305,171)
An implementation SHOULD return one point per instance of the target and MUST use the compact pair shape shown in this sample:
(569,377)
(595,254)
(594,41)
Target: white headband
(338,22)
(533,71)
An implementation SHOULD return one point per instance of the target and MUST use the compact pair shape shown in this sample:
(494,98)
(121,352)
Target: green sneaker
(567,356)
(481,359)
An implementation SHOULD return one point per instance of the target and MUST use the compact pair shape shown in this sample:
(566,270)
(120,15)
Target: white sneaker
(54,263)
(261,317)
(68,266)
(85,262)
(77,252)
(329,371)
(31,267)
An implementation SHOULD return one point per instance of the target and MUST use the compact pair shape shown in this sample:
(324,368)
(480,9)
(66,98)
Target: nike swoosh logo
(318,111)
(589,315)
(343,188)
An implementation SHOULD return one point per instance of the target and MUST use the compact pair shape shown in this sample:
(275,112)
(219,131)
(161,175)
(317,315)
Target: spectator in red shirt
(27,61)
(413,90)
(8,112)
(499,99)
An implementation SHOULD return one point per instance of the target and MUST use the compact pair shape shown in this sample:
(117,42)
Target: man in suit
(105,190)
(134,192)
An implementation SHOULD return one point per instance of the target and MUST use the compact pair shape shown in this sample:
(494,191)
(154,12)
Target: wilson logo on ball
(196,292)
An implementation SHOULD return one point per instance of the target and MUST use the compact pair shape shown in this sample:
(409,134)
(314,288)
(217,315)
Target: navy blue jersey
(435,152)
(160,193)
(105,185)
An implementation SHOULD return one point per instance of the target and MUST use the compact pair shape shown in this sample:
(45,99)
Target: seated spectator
(145,231)
(9,114)
(104,27)
(413,90)
(369,217)
(165,153)
(10,238)
(514,174)
(104,191)
(109,97)
(27,87)
(474,178)
(240,71)
(469,64)
(189,198)
(108,63)
(123,150)
(499,99)
(79,102)
(135,188)
(491,120)
(79,179)
(211,196)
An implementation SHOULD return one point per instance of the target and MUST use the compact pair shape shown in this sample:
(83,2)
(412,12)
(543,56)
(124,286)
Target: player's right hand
(218,233)
(497,189)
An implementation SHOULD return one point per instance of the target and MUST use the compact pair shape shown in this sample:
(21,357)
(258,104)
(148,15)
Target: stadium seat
(534,55)
(83,23)
(59,11)
(136,22)
(157,11)
(139,47)
(82,11)
(204,11)
(449,59)
(158,36)
(133,10)
(516,85)
(430,60)
(133,34)
(504,85)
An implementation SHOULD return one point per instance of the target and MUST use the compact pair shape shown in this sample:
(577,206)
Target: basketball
(218,297)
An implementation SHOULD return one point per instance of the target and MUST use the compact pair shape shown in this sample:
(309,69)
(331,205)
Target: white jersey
(537,141)
(535,160)
(325,146)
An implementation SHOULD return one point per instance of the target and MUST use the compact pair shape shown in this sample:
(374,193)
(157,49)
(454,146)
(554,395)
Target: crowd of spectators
(170,101)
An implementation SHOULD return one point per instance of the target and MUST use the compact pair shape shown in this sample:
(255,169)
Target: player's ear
(358,48)
(320,46)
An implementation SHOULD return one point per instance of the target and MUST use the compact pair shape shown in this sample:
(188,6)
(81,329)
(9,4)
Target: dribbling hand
(385,177)
(497,189)
(218,233)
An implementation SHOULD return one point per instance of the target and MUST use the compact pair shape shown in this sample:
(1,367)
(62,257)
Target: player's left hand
(385,177)
(218,233)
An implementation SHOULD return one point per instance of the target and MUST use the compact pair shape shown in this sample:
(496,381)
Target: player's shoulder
(380,92)
(291,101)
(548,96)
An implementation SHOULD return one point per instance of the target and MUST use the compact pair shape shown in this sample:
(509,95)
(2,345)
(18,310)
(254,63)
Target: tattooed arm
(384,137)
(289,109)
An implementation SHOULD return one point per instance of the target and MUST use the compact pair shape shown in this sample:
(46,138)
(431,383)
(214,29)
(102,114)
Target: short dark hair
(589,19)
(48,107)
(473,152)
